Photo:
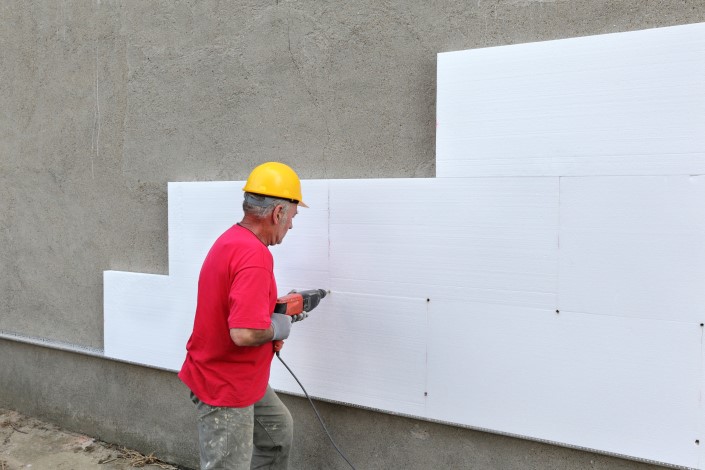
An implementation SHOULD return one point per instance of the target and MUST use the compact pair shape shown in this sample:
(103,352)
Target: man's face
(286,221)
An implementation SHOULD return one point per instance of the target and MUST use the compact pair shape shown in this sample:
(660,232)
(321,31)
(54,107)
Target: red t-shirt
(236,289)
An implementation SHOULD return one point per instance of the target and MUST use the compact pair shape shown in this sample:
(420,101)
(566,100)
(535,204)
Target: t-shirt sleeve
(249,299)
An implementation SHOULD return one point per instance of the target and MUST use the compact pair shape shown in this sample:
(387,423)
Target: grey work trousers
(258,436)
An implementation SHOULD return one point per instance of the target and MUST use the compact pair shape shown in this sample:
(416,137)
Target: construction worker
(242,424)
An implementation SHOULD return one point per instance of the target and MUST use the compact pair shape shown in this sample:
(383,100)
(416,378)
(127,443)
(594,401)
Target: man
(242,424)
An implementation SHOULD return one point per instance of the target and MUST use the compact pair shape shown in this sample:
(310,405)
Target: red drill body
(299,302)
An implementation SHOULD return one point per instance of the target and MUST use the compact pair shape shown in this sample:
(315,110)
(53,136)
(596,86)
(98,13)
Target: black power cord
(316,411)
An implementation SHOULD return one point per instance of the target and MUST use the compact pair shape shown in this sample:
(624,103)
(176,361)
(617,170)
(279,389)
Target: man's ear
(277,214)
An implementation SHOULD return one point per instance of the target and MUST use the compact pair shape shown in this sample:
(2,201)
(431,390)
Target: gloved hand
(281,324)
(299,317)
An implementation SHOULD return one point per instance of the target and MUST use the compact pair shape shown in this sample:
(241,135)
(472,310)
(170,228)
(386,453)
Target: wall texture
(102,103)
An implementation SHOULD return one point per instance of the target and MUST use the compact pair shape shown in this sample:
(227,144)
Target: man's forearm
(250,336)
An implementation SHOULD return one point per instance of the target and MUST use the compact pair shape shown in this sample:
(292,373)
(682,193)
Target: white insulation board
(634,247)
(616,104)
(617,384)
(551,288)
(363,350)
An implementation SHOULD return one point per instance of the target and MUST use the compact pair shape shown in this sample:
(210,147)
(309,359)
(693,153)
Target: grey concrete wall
(103,102)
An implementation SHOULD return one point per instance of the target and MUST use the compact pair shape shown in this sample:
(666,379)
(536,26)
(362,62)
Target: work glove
(281,325)
(299,317)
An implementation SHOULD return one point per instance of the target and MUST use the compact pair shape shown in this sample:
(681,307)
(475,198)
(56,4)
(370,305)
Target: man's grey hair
(261,206)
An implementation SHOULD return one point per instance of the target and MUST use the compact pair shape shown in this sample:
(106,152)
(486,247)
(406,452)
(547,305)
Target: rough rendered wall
(102,103)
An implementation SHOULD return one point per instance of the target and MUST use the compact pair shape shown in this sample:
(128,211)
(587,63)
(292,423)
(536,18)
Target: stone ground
(28,443)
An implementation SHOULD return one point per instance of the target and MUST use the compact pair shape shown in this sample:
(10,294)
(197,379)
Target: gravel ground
(28,443)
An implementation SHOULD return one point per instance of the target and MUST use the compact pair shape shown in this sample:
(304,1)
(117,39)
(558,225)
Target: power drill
(295,303)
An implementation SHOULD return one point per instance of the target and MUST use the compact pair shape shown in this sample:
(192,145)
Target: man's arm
(278,330)
(251,337)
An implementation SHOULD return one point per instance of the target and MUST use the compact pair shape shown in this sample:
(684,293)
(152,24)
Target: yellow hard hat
(276,180)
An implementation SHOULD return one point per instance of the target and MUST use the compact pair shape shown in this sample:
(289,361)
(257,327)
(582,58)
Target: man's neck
(255,228)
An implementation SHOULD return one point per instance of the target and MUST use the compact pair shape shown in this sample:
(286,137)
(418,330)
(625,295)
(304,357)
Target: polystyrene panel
(616,104)
(141,322)
(623,385)
(701,421)
(148,318)
(360,349)
(633,246)
(198,213)
(446,237)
